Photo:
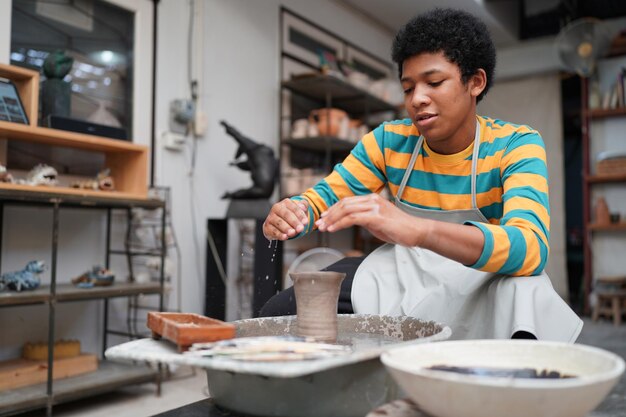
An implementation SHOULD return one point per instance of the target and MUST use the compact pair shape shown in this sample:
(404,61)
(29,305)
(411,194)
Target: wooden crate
(18,373)
(185,329)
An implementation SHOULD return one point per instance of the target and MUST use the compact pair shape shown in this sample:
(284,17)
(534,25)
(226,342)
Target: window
(98,35)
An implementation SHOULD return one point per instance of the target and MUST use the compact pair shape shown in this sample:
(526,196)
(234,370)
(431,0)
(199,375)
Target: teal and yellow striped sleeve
(362,172)
(519,245)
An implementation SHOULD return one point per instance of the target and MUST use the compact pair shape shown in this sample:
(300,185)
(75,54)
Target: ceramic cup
(317,295)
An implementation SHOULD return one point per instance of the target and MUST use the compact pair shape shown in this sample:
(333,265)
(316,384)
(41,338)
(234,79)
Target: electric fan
(581,43)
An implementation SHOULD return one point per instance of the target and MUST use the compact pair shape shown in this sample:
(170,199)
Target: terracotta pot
(602,212)
(330,122)
(317,295)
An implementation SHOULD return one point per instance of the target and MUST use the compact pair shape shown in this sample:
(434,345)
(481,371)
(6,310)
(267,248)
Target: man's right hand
(287,218)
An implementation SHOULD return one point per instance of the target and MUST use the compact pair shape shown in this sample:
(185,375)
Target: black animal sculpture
(261,163)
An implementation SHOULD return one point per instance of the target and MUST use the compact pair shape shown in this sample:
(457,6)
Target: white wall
(540,56)
(5,31)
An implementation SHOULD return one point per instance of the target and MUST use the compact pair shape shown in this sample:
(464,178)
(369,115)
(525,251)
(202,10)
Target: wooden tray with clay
(185,329)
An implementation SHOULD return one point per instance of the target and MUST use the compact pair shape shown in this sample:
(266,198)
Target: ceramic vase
(603,215)
(330,122)
(317,294)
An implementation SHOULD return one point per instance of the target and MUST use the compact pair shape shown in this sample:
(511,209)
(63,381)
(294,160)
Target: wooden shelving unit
(331,92)
(344,95)
(68,292)
(590,116)
(603,113)
(128,163)
(613,227)
(322,152)
(109,376)
(600,179)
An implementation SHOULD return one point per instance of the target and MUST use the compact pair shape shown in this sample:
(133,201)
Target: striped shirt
(511,187)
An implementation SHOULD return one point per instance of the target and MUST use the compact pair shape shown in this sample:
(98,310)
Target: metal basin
(345,386)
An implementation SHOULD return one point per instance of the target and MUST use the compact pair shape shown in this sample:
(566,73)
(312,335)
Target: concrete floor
(604,335)
(186,387)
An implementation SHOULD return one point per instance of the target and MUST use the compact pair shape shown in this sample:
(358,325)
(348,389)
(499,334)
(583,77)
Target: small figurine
(103,181)
(55,91)
(5,176)
(97,276)
(261,163)
(26,279)
(42,174)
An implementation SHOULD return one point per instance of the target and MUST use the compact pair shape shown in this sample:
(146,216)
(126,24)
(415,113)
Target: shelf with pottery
(17,193)
(323,131)
(61,192)
(345,96)
(107,377)
(602,123)
(127,161)
(69,292)
(603,113)
(334,129)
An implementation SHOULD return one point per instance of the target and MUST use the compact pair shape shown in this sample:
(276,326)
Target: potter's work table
(352,383)
(612,406)
(601,334)
(388,332)
(163,352)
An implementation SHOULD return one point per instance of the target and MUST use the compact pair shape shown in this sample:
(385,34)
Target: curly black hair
(461,36)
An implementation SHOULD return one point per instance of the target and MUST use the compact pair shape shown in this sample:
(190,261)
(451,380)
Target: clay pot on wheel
(317,294)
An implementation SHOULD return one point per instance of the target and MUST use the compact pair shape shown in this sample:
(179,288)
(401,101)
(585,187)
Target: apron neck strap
(416,151)
(475,164)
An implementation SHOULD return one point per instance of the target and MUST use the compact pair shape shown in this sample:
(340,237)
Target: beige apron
(397,280)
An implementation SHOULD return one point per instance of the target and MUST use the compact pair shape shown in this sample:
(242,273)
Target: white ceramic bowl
(452,394)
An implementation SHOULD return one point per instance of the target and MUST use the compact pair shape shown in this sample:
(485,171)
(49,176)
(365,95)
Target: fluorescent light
(106,56)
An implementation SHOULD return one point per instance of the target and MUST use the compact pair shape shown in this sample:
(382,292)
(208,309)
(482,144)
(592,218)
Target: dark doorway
(572,159)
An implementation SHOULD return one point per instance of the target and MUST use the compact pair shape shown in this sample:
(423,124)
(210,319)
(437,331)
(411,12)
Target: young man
(468,230)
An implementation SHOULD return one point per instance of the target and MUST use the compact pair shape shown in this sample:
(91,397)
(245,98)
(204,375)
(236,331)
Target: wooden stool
(611,298)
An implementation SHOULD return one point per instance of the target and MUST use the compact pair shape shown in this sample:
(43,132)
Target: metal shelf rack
(108,376)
